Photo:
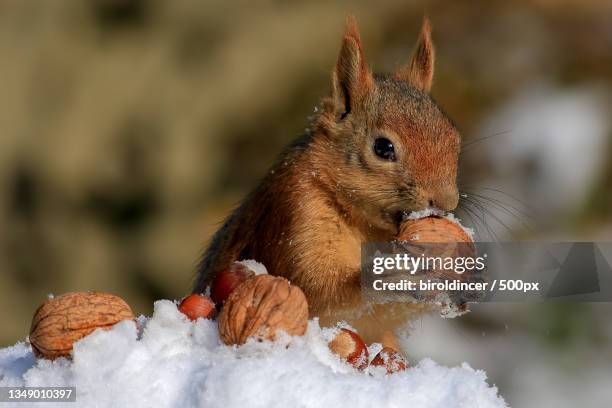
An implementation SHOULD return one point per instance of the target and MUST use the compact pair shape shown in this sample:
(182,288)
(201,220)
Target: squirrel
(379,147)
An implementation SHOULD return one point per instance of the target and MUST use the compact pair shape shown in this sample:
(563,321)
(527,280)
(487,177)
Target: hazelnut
(390,359)
(227,280)
(195,306)
(349,347)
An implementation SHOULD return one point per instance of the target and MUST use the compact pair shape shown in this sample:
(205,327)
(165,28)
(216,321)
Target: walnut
(61,321)
(442,238)
(260,308)
(432,230)
(436,236)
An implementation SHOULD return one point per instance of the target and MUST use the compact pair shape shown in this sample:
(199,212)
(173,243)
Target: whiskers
(490,214)
(466,146)
(493,214)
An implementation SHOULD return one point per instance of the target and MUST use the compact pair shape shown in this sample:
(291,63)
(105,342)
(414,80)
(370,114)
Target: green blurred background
(130,128)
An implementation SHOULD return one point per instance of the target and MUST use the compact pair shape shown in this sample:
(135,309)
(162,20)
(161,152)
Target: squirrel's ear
(421,69)
(351,79)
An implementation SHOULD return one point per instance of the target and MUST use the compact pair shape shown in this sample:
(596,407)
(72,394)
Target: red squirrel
(379,147)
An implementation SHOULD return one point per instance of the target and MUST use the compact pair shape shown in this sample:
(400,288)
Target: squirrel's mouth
(398,217)
(391,219)
(426,212)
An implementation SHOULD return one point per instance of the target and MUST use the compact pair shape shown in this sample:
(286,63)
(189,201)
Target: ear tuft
(352,30)
(421,69)
(351,78)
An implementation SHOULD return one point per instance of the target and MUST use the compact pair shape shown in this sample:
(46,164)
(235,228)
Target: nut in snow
(260,308)
(63,320)
(195,306)
(349,347)
(390,359)
(228,280)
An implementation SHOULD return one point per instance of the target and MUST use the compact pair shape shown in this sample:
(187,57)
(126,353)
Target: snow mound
(172,362)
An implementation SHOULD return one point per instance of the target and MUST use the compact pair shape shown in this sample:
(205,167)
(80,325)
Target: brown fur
(329,192)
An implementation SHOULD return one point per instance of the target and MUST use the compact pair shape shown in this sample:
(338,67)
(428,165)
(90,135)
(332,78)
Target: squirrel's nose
(446,199)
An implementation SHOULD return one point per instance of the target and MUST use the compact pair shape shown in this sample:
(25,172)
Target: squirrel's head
(393,149)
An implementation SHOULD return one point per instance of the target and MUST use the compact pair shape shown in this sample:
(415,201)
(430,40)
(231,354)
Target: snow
(172,362)
(467,230)
(430,211)
(254,266)
(426,212)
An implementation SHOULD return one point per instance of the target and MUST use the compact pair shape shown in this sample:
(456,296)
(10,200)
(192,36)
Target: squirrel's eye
(384,149)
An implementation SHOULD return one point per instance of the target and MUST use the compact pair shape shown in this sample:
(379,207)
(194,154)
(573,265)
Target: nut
(260,308)
(195,306)
(390,359)
(349,347)
(227,280)
(61,321)
(436,237)
(443,239)
(432,230)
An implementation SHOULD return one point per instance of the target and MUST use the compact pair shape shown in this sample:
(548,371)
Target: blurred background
(130,128)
